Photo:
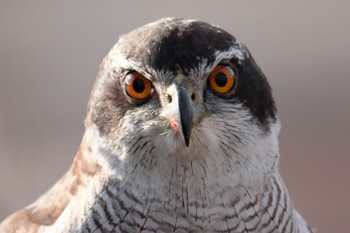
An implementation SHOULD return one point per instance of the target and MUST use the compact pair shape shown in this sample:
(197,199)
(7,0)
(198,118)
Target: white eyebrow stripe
(202,69)
(236,51)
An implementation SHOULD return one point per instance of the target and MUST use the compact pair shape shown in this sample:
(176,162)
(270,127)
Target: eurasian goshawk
(181,136)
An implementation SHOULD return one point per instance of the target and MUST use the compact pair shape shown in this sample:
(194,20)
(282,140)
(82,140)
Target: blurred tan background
(50,54)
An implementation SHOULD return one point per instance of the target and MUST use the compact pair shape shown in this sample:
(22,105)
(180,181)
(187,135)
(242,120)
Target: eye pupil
(139,85)
(221,79)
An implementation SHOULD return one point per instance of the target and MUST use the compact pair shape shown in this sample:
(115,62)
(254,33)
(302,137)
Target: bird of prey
(181,136)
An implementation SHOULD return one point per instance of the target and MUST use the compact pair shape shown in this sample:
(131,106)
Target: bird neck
(174,172)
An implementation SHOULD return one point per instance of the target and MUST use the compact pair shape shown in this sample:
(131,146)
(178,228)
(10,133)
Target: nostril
(169,98)
(193,96)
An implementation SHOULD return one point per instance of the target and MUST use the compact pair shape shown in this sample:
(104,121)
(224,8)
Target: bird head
(182,88)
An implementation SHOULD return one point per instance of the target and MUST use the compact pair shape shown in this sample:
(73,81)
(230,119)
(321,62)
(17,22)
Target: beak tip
(187,143)
(186,134)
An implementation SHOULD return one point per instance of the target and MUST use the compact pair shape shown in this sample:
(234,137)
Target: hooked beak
(181,111)
(185,115)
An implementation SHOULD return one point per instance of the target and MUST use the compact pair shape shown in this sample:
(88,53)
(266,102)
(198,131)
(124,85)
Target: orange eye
(137,86)
(222,79)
